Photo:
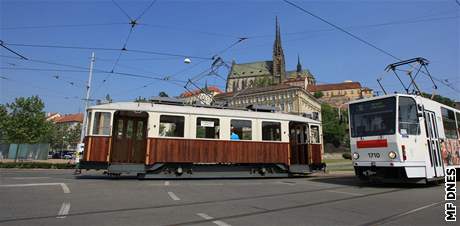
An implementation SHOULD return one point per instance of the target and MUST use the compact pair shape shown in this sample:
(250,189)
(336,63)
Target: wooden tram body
(156,140)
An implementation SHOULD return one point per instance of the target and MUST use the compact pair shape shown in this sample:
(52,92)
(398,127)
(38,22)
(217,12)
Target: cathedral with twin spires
(267,73)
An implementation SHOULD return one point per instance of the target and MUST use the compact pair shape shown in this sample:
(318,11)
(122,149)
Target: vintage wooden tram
(169,139)
(403,137)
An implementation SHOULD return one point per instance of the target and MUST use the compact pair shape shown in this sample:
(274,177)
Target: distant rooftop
(69,118)
(335,86)
(198,91)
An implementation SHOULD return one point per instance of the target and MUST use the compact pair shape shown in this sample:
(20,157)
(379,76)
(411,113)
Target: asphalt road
(56,197)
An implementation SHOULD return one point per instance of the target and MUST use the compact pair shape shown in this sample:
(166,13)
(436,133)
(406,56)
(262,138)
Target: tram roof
(424,100)
(200,110)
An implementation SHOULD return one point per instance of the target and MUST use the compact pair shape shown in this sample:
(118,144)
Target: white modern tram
(403,137)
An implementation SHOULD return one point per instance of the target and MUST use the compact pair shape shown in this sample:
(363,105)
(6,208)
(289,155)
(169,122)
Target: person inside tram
(233,135)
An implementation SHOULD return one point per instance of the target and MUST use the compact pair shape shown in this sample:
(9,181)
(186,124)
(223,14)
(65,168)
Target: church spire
(279,70)
(299,66)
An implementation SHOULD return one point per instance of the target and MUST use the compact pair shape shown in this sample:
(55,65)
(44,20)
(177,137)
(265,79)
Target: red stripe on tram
(372,144)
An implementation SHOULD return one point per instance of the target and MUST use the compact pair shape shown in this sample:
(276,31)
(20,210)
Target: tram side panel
(96,152)
(165,150)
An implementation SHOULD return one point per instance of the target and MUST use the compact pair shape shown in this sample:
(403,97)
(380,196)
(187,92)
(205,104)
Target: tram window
(243,128)
(314,139)
(458,122)
(172,126)
(271,131)
(448,121)
(119,130)
(88,122)
(129,129)
(408,119)
(101,125)
(207,128)
(373,118)
(140,130)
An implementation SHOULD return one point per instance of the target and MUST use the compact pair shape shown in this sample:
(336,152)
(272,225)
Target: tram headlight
(392,155)
(355,156)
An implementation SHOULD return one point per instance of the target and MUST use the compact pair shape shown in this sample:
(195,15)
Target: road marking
(64,210)
(207,217)
(166,183)
(346,193)
(64,187)
(397,216)
(173,196)
(291,183)
(28,178)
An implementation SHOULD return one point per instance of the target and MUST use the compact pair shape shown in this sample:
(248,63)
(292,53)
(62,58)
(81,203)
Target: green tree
(58,137)
(64,135)
(26,122)
(334,129)
(441,99)
(318,94)
(163,94)
(3,122)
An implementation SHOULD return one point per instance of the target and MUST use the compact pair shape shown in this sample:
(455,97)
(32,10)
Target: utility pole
(88,90)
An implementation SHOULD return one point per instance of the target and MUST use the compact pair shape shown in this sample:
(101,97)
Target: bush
(37,165)
(346,155)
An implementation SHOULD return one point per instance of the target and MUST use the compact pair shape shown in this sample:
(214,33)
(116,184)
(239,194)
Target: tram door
(434,146)
(298,141)
(129,137)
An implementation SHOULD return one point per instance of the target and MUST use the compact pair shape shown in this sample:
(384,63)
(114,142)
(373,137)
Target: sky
(167,32)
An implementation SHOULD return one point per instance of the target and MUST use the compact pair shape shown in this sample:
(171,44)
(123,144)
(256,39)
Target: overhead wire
(63,26)
(361,39)
(76,83)
(146,9)
(122,10)
(133,75)
(56,93)
(106,49)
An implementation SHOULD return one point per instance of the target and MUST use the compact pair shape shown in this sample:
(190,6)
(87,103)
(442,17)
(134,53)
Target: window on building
(271,131)
(448,121)
(243,128)
(171,126)
(101,124)
(314,138)
(207,128)
(408,119)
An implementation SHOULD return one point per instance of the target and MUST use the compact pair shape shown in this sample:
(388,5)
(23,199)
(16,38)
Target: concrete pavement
(36,197)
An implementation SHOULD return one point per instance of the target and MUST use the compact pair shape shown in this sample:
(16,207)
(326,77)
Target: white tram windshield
(373,118)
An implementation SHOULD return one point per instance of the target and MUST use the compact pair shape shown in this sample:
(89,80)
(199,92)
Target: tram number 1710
(374,155)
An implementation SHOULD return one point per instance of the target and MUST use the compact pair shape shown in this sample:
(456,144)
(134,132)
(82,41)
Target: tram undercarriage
(201,170)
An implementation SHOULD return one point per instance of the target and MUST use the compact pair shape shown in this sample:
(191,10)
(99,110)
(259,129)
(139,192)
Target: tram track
(399,215)
(87,213)
(287,208)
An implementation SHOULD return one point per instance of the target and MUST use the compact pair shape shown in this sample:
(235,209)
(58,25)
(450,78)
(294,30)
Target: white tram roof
(424,100)
(208,111)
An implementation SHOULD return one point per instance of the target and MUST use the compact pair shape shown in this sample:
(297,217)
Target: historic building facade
(200,96)
(340,93)
(283,97)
